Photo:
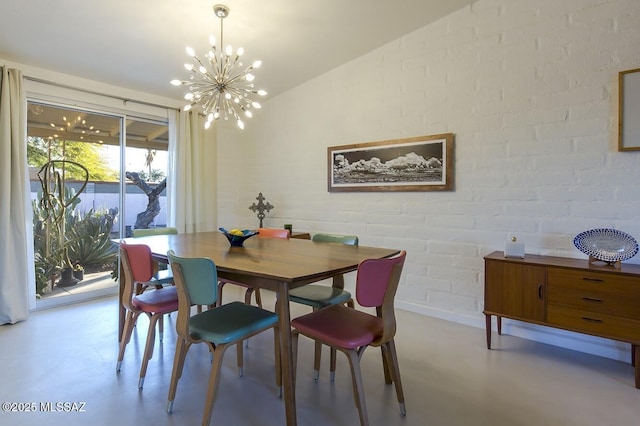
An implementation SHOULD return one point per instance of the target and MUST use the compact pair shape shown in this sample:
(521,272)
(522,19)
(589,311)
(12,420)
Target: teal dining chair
(137,266)
(219,327)
(351,331)
(319,296)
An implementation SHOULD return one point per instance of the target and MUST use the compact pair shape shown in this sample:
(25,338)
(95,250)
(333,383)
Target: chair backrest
(376,284)
(197,276)
(273,232)
(351,240)
(377,279)
(137,265)
(154,231)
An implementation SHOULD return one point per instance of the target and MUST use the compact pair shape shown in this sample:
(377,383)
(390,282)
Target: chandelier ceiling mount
(221,86)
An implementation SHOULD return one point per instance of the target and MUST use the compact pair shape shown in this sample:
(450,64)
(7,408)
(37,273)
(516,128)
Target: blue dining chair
(219,327)
(319,296)
(351,331)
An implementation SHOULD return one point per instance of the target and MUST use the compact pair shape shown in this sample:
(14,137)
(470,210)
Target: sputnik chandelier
(221,86)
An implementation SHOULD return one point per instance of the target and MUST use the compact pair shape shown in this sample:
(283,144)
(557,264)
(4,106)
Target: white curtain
(192,177)
(16,232)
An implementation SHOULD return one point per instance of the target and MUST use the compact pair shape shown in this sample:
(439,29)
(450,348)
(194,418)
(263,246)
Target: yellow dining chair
(137,266)
(262,233)
(218,328)
(351,331)
(320,296)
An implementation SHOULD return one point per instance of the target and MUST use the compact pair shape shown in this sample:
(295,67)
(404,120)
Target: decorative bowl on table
(237,237)
(607,245)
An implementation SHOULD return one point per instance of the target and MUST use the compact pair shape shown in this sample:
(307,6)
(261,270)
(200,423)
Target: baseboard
(612,349)
(48,303)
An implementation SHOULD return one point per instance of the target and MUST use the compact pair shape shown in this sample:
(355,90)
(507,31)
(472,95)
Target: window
(80,204)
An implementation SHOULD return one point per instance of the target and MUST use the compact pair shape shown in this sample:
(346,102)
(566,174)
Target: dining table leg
(286,353)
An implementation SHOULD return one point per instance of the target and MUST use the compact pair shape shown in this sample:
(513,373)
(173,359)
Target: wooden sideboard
(301,235)
(571,294)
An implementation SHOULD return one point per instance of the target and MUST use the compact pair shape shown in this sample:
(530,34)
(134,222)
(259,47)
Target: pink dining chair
(351,331)
(138,268)
(262,233)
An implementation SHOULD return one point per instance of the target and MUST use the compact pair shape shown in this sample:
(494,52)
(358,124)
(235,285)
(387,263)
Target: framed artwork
(423,163)
(629,110)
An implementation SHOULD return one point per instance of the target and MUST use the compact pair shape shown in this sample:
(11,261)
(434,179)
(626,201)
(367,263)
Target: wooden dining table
(268,263)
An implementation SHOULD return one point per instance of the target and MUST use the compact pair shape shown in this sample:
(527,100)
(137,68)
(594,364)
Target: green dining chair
(320,296)
(219,327)
(162,275)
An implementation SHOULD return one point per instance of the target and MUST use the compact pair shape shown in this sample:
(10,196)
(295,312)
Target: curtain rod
(92,92)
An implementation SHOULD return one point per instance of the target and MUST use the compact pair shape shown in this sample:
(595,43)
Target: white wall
(528,87)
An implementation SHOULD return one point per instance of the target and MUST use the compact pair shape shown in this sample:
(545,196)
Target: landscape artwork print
(423,163)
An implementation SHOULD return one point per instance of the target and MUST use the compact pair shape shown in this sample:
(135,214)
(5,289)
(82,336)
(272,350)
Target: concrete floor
(68,355)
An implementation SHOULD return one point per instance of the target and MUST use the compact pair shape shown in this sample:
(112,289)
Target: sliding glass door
(90,174)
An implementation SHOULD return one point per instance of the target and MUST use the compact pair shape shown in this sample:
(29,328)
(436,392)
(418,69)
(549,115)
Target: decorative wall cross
(261,207)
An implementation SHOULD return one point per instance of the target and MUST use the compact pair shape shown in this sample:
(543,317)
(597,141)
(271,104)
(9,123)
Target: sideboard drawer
(599,324)
(604,302)
(618,284)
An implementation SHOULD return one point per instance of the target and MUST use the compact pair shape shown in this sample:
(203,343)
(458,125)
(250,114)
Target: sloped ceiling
(139,44)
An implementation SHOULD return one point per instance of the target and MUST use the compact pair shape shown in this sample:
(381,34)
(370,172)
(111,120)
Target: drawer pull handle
(592,299)
(591,319)
(540,292)
(593,280)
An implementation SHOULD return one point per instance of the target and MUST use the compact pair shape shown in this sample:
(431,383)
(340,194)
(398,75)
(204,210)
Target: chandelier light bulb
(221,82)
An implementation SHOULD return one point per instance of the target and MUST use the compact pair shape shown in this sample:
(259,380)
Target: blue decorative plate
(608,245)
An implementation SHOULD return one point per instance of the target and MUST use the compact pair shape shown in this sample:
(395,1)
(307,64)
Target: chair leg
(276,346)
(389,349)
(258,297)
(317,355)
(385,366)
(148,349)
(240,356)
(214,379)
(332,365)
(358,387)
(182,347)
(294,353)
(161,327)
(129,323)
(219,298)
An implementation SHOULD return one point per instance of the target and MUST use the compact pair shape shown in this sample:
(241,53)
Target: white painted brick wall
(528,87)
